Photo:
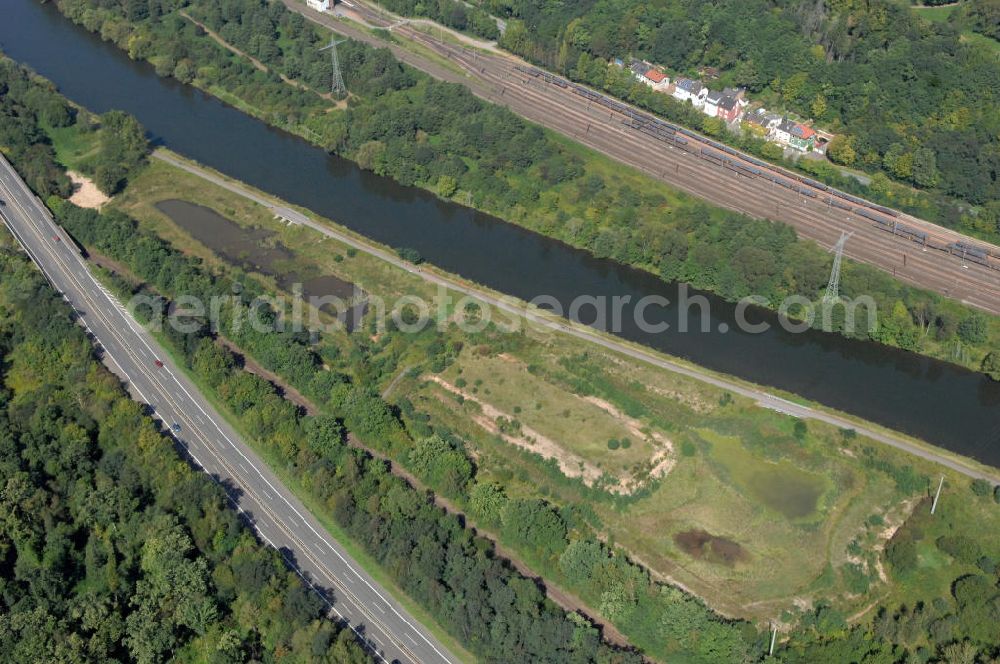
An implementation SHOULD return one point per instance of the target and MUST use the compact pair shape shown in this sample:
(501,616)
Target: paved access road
(278,517)
(491,75)
(519,309)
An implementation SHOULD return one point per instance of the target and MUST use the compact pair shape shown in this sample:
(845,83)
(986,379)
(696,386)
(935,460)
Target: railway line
(941,260)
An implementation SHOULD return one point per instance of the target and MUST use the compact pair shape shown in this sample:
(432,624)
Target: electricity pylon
(337,87)
(833,287)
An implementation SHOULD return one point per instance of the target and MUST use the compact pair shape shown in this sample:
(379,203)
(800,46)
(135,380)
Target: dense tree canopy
(111,547)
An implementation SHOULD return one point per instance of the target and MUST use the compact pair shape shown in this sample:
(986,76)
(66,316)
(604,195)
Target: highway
(516,308)
(272,510)
(491,75)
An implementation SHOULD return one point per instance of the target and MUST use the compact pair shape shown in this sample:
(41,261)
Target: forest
(405,125)
(908,97)
(111,547)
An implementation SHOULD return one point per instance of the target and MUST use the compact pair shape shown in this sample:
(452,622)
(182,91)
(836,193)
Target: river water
(939,402)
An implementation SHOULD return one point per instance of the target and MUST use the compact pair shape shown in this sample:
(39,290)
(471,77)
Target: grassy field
(756,514)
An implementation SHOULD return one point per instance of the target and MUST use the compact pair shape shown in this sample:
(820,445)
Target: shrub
(613,444)
(981,487)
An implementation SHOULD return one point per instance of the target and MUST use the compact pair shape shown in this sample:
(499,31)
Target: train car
(815,185)
(680,140)
(885,210)
(711,154)
(969,252)
(689,134)
(787,184)
(808,192)
(910,233)
(837,203)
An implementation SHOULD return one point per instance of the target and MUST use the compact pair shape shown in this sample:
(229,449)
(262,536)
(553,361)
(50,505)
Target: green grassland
(808,510)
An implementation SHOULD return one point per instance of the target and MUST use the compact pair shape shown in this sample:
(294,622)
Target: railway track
(935,262)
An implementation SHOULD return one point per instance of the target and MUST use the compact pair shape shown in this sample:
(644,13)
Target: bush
(410,255)
(961,548)
(613,444)
(981,487)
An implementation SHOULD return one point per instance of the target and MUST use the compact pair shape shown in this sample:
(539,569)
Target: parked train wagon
(969,252)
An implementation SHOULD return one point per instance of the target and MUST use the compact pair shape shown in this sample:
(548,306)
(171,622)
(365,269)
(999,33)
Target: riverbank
(679,405)
(772,399)
(930,400)
(626,244)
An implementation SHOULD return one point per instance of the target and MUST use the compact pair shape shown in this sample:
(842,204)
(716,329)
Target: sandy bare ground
(85,192)
(664,458)
(570,464)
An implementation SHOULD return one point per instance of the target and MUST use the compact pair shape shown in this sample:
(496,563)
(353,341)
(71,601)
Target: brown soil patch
(702,545)
(85,192)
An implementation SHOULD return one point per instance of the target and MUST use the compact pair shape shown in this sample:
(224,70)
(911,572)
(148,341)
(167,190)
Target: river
(939,402)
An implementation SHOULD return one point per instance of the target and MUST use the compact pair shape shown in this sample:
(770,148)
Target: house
(803,138)
(320,5)
(711,106)
(761,123)
(794,135)
(689,90)
(639,69)
(782,132)
(731,108)
(739,93)
(655,79)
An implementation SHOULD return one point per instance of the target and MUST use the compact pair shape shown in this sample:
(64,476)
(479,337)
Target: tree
(991,365)
(925,172)
(841,150)
(973,329)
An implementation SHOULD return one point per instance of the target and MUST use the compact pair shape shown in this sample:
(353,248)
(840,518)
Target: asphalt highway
(492,75)
(277,516)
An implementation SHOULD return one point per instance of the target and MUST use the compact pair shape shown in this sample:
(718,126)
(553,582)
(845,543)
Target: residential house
(689,90)
(320,5)
(711,105)
(794,135)
(639,69)
(761,123)
(731,108)
(803,138)
(656,79)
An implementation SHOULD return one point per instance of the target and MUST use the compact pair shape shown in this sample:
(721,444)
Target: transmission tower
(833,287)
(337,87)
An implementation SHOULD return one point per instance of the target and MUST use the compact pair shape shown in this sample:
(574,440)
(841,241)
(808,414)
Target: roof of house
(655,75)
(787,126)
(713,97)
(728,102)
(802,131)
(688,85)
(639,68)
